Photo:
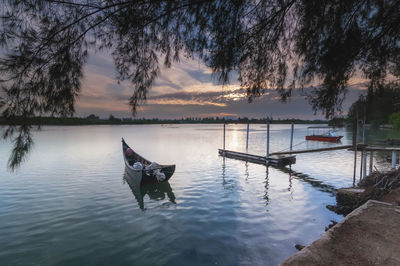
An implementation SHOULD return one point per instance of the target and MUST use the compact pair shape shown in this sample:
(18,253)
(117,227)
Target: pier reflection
(321,186)
(291,175)
(266,196)
(229,182)
(159,191)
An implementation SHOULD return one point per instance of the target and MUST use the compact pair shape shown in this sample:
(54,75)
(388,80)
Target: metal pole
(224,136)
(371,161)
(361,163)
(267,155)
(364,164)
(355,135)
(394,155)
(291,137)
(247,137)
(363,133)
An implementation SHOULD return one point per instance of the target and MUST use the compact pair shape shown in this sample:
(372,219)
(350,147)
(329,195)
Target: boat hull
(145,176)
(324,138)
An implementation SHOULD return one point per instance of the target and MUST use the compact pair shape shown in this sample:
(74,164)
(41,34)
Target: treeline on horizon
(94,120)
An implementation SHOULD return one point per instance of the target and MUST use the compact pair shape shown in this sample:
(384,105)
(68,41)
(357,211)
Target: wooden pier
(277,160)
(284,158)
(342,147)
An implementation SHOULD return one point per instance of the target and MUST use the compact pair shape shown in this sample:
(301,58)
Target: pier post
(371,161)
(361,163)
(267,154)
(247,137)
(363,153)
(364,164)
(394,155)
(291,137)
(363,133)
(224,135)
(355,137)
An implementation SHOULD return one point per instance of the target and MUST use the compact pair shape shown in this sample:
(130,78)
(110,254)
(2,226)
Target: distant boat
(327,134)
(142,170)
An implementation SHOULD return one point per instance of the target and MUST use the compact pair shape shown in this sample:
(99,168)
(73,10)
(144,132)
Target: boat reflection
(156,192)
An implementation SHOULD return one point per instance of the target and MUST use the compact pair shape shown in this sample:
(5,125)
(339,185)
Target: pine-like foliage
(281,44)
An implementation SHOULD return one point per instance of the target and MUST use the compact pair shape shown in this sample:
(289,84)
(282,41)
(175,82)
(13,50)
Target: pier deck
(272,160)
(343,147)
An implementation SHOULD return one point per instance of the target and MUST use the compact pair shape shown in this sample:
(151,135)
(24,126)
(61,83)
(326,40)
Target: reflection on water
(155,192)
(320,185)
(266,182)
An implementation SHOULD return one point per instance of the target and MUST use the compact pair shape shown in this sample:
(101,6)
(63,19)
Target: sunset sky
(186,89)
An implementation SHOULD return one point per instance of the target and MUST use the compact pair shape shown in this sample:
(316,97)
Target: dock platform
(277,160)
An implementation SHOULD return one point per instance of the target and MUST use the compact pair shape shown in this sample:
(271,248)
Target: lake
(69,203)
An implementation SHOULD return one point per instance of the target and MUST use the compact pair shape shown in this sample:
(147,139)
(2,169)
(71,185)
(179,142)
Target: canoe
(324,138)
(150,173)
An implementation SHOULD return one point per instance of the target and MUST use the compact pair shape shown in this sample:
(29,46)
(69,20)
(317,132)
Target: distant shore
(129,121)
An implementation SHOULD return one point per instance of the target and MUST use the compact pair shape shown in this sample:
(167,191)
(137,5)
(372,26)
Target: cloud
(188,88)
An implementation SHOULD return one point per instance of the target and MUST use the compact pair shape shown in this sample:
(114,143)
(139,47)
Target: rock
(299,247)
(349,196)
(332,224)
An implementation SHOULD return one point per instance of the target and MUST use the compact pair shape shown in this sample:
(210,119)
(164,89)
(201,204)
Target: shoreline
(155,121)
(367,235)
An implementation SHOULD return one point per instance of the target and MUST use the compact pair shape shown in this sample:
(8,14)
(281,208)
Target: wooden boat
(327,134)
(150,173)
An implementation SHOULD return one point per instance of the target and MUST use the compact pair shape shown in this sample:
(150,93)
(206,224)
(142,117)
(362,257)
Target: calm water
(69,205)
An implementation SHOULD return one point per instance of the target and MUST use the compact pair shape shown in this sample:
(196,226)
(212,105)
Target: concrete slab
(370,235)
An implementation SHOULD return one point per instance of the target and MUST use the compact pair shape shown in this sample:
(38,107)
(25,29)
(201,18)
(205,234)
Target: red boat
(327,134)
(324,138)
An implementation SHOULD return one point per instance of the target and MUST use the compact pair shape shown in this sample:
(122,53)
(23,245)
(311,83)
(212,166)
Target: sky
(187,89)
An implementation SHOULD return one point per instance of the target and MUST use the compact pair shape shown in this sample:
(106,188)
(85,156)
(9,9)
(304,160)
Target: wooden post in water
(291,136)
(224,135)
(247,137)
(394,155)
(371,161)
(267,154)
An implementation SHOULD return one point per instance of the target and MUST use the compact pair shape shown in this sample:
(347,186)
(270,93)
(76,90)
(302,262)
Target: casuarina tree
(279,44)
